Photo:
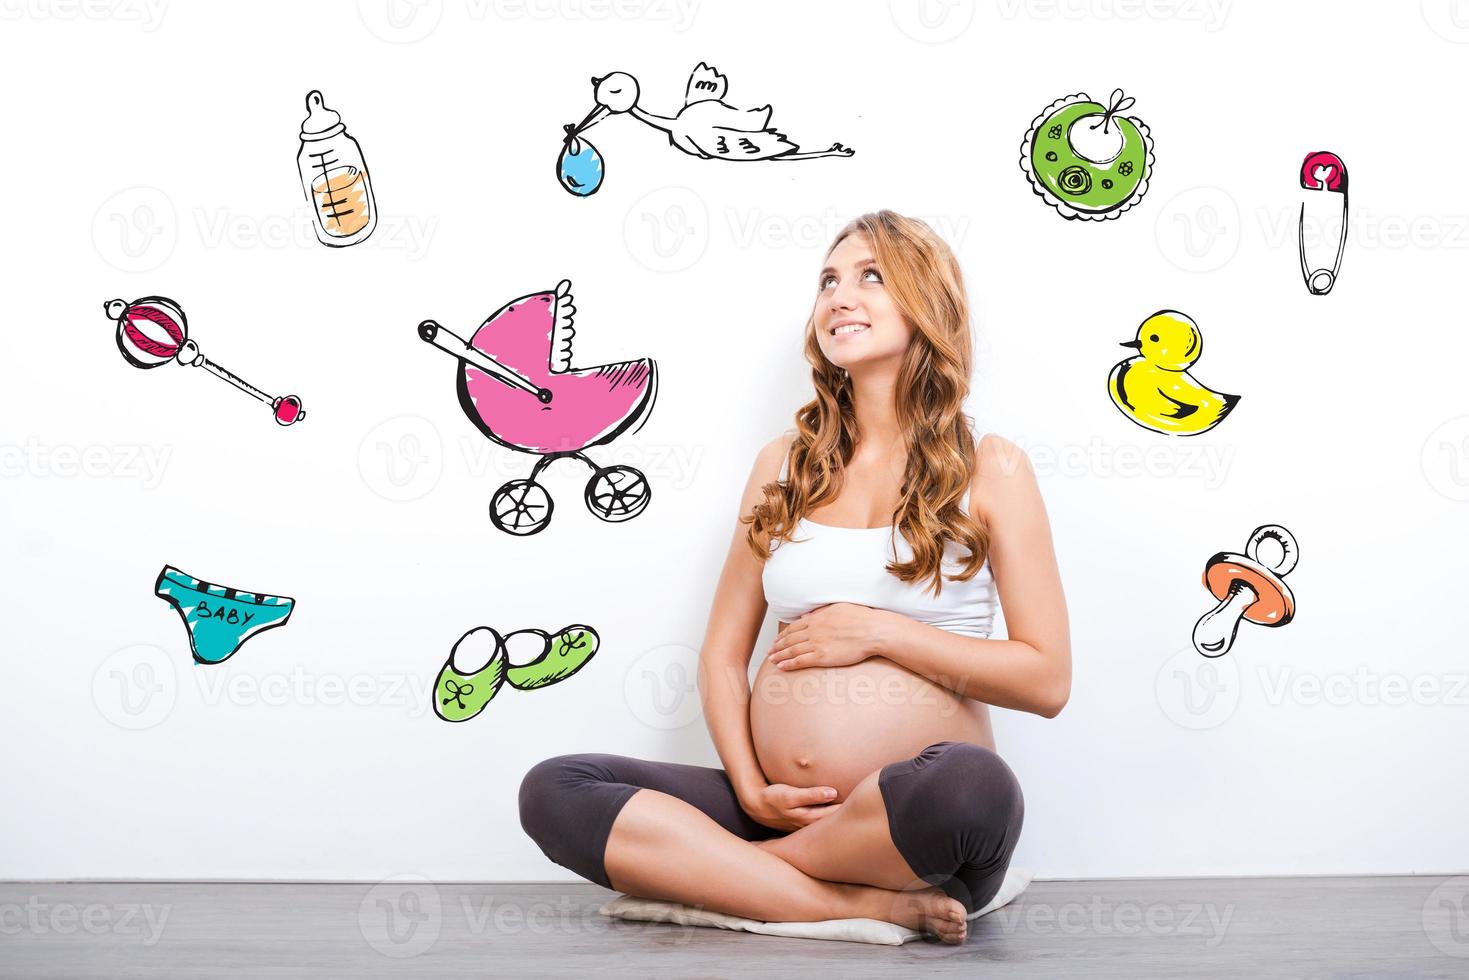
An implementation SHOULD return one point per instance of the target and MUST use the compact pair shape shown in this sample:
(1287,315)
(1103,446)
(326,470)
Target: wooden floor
(1127,928)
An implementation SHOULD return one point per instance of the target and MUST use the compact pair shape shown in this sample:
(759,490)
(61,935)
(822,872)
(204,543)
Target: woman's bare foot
(928,910)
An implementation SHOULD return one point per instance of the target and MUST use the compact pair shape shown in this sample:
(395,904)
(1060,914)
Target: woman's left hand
(834,635)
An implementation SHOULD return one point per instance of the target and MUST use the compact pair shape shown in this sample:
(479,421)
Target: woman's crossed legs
(949,817)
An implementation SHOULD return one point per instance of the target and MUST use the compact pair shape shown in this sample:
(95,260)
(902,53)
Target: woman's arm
(735,618)
(1030,671)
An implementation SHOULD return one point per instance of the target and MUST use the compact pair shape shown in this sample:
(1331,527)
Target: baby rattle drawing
(706,127)
(153,331)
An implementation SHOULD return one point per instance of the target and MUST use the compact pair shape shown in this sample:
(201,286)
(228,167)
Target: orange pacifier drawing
(1248,588)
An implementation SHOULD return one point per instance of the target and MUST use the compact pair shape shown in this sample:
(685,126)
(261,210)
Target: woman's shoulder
(781,444)
(997,463)
(993,451)
(1003,475)
(771,460)
(779,447)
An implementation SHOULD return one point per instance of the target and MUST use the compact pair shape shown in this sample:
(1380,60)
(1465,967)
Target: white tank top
(823,564)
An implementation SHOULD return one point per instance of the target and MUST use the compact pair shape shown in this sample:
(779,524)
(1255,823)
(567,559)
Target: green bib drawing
(1087,160)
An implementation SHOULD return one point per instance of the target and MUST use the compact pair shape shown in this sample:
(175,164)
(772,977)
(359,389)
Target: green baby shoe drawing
(459,696)
(565,654)
(1088,160)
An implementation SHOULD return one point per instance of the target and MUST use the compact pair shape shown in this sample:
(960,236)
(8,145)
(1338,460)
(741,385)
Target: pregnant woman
(860,775)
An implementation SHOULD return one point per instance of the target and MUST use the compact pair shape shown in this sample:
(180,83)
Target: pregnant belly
(831,726)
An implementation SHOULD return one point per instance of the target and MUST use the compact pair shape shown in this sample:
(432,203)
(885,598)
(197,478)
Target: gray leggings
(954,811)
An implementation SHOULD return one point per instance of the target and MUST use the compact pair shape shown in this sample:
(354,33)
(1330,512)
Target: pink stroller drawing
(517,385)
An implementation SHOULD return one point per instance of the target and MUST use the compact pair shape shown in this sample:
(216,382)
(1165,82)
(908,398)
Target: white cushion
(849,930)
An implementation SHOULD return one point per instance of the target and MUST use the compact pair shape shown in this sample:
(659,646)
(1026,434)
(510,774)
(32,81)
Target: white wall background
(152,150)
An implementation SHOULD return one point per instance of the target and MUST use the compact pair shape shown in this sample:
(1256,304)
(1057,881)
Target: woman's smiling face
(856,320)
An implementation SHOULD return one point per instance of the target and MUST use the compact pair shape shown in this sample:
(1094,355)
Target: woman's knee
(972,786)
(544,791)
(567,806)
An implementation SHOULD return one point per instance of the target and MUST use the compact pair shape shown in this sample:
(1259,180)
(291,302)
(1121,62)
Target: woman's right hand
(785,807)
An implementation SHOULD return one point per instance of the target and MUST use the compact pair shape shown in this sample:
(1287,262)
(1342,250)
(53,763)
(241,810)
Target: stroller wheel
(617,493)
(521,507)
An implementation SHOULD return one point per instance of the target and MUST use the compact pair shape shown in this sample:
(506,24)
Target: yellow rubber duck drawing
(1154,389)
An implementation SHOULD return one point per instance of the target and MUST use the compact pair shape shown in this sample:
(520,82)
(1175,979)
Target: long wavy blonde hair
(922,276)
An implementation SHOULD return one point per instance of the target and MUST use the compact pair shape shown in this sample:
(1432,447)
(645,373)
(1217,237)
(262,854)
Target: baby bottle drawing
(334,176)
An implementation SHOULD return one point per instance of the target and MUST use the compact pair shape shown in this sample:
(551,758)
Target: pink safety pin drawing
(1324,178)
